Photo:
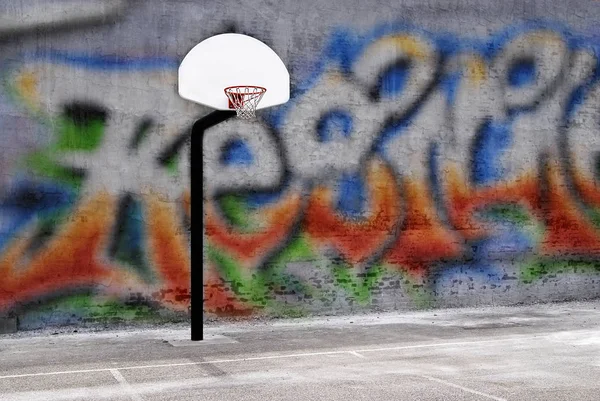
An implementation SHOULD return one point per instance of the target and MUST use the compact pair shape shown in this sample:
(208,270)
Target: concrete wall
(434,153)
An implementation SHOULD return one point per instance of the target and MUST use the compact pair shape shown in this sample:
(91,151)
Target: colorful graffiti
(406,159)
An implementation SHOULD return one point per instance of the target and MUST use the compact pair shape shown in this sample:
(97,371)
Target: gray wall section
(360,214)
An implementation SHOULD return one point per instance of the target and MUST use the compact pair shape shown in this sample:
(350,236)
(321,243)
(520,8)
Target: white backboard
(232,59)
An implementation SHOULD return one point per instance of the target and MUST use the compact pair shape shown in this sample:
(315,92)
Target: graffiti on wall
(60,14)
(405,156)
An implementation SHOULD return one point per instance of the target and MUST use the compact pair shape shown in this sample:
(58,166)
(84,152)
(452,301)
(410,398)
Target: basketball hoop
(204,73)
(244,99)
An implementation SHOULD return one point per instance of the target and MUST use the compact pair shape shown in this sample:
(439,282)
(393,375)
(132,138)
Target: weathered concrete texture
(541,352)
(433,154)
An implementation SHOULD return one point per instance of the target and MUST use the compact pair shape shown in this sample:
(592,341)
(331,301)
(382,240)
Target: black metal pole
(197,218)
(197,241)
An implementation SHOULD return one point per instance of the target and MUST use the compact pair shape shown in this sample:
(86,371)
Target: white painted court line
(449,344)
(125,385)
(70,372)
(356,354)
(468,390)
(279,356)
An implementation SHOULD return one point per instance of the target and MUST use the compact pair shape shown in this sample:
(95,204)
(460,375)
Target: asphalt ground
(540,352)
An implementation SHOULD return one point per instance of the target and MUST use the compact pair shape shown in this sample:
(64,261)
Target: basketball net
(244,100)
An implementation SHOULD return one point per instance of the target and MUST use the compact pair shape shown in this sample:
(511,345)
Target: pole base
(209,339)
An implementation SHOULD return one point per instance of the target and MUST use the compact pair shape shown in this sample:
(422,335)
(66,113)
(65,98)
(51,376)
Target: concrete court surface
(540,352)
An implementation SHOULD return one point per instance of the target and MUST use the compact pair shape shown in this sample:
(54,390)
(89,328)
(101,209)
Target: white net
(244,100)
